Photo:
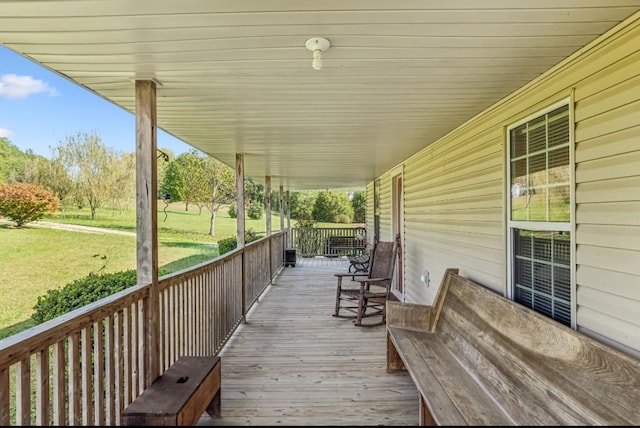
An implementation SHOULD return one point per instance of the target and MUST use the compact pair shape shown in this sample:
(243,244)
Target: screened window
(540,214)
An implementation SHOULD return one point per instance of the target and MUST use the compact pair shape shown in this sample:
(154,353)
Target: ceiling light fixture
(317,45)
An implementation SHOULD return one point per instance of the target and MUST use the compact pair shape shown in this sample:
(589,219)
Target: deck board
(292,363)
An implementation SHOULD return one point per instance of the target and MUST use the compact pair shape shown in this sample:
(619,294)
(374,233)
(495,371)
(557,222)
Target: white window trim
(395,173)
(544,226)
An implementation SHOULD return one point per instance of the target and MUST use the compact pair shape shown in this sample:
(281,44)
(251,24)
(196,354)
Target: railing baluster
(42,387)
(89,363)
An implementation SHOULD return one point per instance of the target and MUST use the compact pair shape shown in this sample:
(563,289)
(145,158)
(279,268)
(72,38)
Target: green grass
(36,259)
(174,222)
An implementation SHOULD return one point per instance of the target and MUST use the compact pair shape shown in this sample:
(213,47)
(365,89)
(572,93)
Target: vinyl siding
(455,189)
(386,227)
(369,212)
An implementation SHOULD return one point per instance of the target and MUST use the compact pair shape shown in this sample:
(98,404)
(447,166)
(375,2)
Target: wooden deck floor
(292,363)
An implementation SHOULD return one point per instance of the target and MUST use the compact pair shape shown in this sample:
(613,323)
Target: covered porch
(416,98)
(292,363)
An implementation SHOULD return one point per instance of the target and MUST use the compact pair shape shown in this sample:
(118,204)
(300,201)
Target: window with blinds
(540,213)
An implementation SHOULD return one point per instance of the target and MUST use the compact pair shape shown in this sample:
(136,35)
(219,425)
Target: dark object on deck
(478,358)
(180,396)
(369,297)
(290,257)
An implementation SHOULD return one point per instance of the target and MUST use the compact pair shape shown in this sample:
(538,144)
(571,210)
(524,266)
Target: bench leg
(424,415)
(214,408)
(394,362)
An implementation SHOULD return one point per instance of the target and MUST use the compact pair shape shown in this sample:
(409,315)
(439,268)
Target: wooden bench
(180,396)
(344,245)
(478,358)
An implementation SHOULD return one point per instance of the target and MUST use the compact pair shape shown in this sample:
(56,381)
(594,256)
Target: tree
(302,205)
(219,187)
(93,168)
(13,161)
(26,202)
(50,174)
(332,207)
(182,178)
(122,192)
(253,192)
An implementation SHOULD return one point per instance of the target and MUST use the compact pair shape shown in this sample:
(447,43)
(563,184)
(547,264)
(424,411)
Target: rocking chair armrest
(343,274)
(372,280)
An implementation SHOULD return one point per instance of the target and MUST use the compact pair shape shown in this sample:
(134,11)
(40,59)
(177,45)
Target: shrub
(25,202)
(229,244)
(255,211)
(305,223)
(81,292)
(233,212)
(342,218)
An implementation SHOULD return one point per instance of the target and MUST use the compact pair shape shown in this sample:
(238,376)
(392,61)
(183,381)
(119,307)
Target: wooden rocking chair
(369,297)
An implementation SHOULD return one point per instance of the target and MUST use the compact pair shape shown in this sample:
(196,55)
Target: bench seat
(180,396)
(478,358)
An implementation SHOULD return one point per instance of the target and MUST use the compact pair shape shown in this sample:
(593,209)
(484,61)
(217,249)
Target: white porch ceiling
(236,76)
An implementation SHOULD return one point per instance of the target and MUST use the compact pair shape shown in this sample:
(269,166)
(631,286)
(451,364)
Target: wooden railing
(85,367)
(319,241)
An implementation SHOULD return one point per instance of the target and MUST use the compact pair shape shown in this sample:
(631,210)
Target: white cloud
(14,86)
(5,133)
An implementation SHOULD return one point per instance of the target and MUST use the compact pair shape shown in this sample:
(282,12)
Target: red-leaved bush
(24,202)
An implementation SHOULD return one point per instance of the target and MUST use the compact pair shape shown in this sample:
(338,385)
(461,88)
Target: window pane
(537,207)
(537,135)
(559,165)
(542,276)
(519,189)
(541,175)
(518,139)
(558,127)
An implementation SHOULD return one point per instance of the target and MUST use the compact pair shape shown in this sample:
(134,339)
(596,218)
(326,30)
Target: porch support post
(146,221)
(288,219)
(267,202)
(240,198)
(240,226)
(267,208)
(281,207)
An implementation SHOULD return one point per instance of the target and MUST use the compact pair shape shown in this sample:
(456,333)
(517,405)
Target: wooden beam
(146,219)
(281,207)
(267,202)
(267,208)
(288,218)
(241,227)
(240,198)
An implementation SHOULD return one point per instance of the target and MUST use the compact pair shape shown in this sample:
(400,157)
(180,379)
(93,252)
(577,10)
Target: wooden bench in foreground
(478,358)
(180,396)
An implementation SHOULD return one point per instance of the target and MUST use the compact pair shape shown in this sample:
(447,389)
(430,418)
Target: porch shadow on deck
(293,363)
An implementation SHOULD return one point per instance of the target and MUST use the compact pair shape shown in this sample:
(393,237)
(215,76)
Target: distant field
(173,220)
(36,259)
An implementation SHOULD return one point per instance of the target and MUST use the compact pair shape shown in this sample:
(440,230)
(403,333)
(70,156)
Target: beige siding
(369,212)
(386,227)
(458,217)
(455,189)
(607,115)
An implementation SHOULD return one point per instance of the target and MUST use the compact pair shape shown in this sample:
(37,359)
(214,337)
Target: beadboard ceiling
(235,76)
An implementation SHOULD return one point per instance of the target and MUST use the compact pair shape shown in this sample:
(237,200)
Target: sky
(39,109)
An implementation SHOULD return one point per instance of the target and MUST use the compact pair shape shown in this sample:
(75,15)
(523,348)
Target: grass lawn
(36,259)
